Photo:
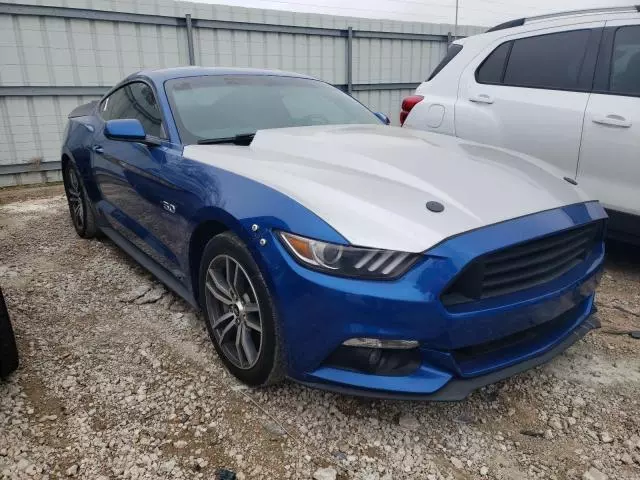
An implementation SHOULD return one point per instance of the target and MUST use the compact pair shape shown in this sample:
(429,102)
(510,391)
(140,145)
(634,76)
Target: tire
(8,349)
(80,207)
(238,307)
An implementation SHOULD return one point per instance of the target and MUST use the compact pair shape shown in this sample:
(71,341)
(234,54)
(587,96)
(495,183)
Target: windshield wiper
(241,139)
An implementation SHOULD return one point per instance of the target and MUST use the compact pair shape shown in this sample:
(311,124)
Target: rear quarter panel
(77,147)
(436,112)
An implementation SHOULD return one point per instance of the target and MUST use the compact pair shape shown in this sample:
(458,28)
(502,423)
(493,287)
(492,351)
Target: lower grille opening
(523,266)
(473,356)
(375,361)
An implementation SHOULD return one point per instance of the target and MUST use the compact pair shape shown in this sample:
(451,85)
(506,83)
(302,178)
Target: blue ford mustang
(330,248)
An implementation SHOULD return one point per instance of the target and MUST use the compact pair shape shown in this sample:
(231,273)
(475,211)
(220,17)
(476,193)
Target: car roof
(161,75)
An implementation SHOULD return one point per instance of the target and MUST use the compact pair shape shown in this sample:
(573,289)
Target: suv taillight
(407,104)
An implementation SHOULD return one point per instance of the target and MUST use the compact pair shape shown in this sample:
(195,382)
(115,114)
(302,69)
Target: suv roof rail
(513,23)
(585,11)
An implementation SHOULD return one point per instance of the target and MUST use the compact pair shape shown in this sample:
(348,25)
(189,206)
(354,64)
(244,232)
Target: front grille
(522,266)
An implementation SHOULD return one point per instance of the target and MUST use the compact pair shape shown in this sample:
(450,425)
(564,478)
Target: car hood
(371,183)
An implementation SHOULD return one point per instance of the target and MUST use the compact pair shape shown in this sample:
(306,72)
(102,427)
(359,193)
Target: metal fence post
(192,57)
(350,60)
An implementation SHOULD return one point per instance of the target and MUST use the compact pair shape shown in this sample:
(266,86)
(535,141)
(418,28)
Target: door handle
(481,98)
(98,149)
(612,120)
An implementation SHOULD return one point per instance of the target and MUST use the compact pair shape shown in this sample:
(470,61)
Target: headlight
(347,261)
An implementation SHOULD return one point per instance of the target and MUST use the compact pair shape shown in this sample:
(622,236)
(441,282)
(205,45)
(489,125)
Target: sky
(470,12)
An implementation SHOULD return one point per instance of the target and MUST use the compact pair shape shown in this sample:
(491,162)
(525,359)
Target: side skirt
(159,272)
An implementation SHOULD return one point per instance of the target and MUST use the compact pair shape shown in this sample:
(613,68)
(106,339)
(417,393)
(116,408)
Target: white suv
(564,88)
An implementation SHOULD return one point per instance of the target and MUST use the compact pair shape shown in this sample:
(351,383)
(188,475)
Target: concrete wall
(55,55)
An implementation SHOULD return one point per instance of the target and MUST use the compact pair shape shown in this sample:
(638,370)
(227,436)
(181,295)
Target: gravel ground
(119,380)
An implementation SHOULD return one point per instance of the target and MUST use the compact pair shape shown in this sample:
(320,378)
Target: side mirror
(127,130)
(383,118)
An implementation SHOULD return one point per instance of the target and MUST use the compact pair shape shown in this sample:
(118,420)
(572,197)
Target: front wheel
(82,215)
(239,311)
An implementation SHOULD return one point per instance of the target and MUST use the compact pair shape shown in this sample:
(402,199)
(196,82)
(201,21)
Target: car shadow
(622,256)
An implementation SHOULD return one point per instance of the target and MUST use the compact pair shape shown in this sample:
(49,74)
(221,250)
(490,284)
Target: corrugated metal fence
(57,55)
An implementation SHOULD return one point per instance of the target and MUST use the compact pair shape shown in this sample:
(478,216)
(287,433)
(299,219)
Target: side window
(134,100)
(453,50)
(625,62)
(547,61)
(106,107)
(492,68)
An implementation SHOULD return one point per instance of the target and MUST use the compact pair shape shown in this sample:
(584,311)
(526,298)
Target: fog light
(399,360)
(377,343)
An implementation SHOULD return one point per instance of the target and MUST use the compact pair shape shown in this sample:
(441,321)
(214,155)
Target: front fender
(239,203)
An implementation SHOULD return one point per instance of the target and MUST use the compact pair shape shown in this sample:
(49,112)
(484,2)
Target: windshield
(222,106)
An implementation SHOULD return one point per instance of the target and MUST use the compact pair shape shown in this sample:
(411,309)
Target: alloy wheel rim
(234,311)
(76,203)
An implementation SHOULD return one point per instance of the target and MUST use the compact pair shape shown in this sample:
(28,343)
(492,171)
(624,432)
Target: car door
(528,92)
(610,153)
(135,179)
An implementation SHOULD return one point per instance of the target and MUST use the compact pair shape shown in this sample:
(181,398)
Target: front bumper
(459,388)
(505,335)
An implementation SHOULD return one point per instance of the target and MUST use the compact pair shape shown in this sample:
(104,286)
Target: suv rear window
(453,50)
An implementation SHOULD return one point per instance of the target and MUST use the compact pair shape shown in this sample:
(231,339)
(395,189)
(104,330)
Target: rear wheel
(239,311)
(80,209)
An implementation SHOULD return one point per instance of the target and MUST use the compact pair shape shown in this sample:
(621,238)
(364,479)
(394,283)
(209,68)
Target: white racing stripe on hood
(371,183)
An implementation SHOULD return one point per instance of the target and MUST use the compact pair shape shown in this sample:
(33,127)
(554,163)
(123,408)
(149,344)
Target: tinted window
(135,100)
(454,50)
(220,106)
(547,61)
(625,62)
(492,68)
